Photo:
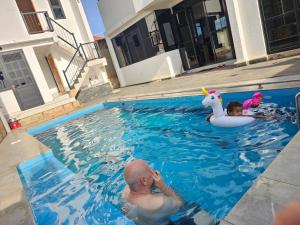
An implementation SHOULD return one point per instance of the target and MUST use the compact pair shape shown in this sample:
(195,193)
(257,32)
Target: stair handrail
(37,22)
(78,68)
(297,99)
(83,54)
(52,21)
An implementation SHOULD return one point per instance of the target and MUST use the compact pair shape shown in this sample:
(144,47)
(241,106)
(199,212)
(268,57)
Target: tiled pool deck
(274,189)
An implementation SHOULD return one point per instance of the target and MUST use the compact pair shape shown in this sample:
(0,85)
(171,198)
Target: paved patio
(279,71)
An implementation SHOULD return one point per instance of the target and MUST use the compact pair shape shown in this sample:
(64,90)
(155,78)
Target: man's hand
(160,184)
(158,180)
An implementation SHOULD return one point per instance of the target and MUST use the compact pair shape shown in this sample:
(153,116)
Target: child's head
(235,109)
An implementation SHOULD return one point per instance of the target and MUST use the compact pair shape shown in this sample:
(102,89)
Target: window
(57,9)
(139,42)
(281,24)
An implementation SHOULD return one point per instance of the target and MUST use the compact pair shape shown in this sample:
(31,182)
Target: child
(235,109)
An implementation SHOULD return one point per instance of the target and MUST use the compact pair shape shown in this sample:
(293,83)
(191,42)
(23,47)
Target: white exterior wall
(96,76)
(15,29)
(41,53)
(15,36)
(61,59)
(165,65)
(13,26)
(247,30)
(9,102)
(140,4)
(115,12)
(37,74)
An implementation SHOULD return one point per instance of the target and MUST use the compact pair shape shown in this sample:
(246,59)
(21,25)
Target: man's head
(235,109)
(138,176)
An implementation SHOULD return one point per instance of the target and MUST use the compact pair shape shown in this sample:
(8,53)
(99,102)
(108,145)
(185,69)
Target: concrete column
(115,62)
(247,29)
(38,74)
(237,30)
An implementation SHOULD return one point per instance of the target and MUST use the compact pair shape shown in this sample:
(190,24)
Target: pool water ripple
(209,167)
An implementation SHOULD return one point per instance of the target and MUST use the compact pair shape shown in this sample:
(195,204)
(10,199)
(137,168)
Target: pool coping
(16,148)
(272,190)
(239,215)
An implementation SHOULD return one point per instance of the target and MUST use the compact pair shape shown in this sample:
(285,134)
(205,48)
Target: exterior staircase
(83,53)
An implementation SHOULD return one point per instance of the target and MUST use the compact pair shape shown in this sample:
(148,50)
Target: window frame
(56,7)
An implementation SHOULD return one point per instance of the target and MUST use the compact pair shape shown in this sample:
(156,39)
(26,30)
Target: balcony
(37,22)
(40,22)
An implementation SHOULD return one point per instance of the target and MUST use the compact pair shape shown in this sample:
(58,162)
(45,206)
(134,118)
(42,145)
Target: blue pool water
(209,167)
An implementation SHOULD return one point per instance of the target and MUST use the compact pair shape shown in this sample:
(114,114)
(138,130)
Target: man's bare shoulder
(149,202)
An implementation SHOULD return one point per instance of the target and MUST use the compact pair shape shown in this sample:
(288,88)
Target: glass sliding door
(186,38)
(201,33)
(204,32)
(281,24)
(219,30)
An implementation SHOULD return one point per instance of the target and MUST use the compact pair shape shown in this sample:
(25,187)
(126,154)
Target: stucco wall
(247,30)
(115,12)
(94,77)
(9,102)
(12,24)
(41,54)
(140,4)
(37,74)
(162,66)
(253,29)
(15,29)
(61,59)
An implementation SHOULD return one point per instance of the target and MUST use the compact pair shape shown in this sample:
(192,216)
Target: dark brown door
(31,19)
(55,74)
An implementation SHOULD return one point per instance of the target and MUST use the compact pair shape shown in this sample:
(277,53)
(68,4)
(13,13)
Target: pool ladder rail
(297,98)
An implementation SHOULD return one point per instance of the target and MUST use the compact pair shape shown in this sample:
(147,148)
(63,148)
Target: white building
(155,39)
(47,54)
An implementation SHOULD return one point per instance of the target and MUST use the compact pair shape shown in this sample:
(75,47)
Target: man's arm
(160,184)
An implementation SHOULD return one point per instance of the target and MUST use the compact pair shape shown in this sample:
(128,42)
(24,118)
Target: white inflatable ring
(231,121)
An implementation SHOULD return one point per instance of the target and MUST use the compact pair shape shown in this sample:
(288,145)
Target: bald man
(142,205)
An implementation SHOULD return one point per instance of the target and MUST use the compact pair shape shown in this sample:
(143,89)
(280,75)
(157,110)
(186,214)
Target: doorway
(204,32)
(16,70)
(55,74)
(31,19)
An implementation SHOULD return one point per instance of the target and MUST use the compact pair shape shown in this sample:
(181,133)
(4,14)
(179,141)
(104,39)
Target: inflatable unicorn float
(220,117)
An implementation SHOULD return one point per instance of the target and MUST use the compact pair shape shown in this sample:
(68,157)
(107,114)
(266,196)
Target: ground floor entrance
(16,75)
(281,21)
(204,32)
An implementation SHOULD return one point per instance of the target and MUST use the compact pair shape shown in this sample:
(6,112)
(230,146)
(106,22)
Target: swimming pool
(209,167)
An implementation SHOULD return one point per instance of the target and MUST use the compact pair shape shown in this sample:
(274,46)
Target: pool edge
(257,205)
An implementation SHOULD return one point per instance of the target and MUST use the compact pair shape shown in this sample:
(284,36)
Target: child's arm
(263,117)
(208,117)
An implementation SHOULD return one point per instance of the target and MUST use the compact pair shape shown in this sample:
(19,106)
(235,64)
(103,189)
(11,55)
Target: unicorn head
(213,99)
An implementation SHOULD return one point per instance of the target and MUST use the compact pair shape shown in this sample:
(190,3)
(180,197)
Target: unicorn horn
(205,92)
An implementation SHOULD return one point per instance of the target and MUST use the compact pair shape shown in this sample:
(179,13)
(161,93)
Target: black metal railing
(84,53)
(63,34)
(90,50)
(40,22)
(37,22)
